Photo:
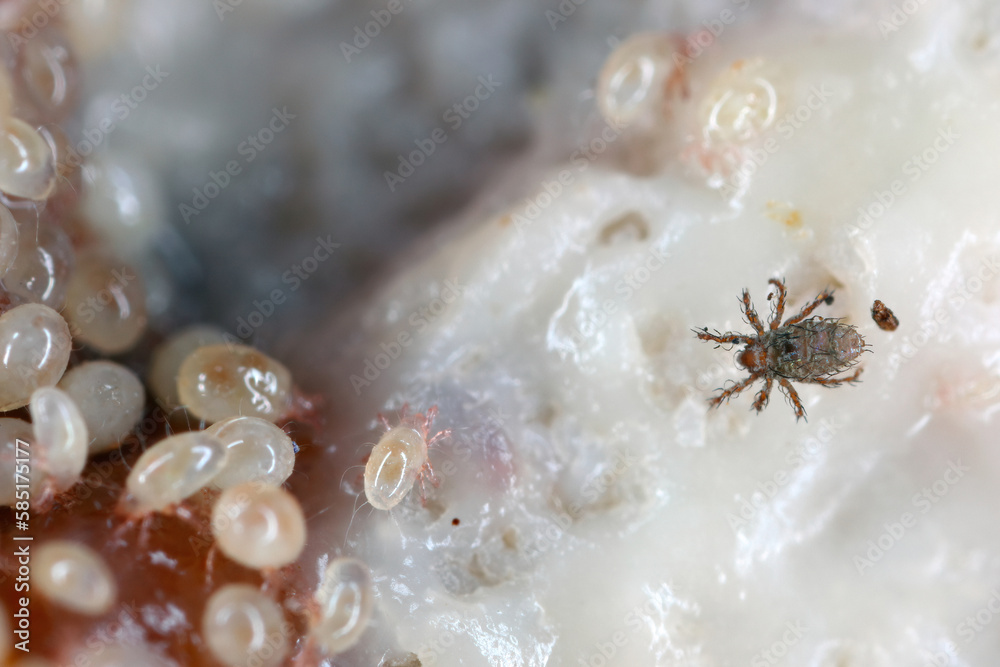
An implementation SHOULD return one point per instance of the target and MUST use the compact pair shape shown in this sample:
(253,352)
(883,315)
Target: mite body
(399,459)
(801,350)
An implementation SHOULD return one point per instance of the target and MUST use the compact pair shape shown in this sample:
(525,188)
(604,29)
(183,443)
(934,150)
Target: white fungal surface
(256,451)
(242,626)
(173,469)
(259,525)
(110,397)
(346,599)
(73,576)
(606,515)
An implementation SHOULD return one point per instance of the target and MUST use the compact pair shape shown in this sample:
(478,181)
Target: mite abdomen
(815,348)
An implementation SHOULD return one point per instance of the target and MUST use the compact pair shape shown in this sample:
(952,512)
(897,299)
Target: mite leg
(793,396)
(726,394)
(726,338)
(763,396)
(833,382)
(426,471)
(779,309)
(751,313)
(385,422)
(826,296)
(440,435)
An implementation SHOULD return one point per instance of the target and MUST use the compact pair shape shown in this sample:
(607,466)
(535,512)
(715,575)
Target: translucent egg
(106,303)
(346,600)
(258,451)
(393,466)
(34,351)
(633,84)
(40,272)
(60,434)
(173,469)
(74,576)
(8,239)
(27,166)
(47,75)
(242,626)
(19,465)
(741,103)
(220,381)
(110,398)
(259,526)
(168,357)
(123,202)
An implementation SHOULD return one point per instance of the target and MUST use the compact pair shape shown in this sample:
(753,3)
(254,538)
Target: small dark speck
(455,521)
(829,300)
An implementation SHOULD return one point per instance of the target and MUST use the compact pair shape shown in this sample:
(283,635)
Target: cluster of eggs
(69,299)
(647,76)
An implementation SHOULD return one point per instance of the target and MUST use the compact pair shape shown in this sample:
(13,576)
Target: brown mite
(804,350)
(884,318)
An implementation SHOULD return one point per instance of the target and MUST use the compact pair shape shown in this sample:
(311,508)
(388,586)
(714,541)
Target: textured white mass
(606,516)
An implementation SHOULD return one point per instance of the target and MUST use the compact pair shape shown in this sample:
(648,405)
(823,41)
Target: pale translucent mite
(346,599)
(170,471)
(400,458)
(73,576)
(258,525)
(61,435)
(242,626)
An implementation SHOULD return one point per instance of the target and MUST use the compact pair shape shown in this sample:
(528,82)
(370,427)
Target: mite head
(753,357)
